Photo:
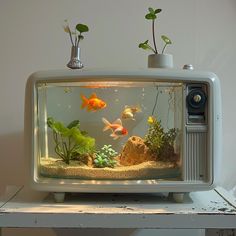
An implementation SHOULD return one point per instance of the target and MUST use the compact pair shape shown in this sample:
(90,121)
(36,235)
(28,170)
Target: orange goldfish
(93,103)
(117,128)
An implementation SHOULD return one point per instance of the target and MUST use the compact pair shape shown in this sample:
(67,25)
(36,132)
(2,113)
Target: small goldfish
(117,128)
(93,103)
(129,112)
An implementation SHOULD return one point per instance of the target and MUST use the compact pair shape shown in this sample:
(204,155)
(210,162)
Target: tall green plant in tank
(70,142)
(160,143)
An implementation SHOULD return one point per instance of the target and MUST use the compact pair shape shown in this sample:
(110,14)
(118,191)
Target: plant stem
(152,49)
(76,42)
(153,36)
(57,147)
(75,36)
(57,144)
(66,152)
(78,39)
(71,37)
(164,48)
(69,142)
(155,104)
(58,151)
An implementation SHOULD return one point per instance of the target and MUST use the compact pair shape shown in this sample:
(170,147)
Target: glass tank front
(111,130)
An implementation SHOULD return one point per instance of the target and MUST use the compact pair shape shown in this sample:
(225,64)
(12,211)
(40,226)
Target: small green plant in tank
(71,142)
(152,15)
(158,141)
(105,157)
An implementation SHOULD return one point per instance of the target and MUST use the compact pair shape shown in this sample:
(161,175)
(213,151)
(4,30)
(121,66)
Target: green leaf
(77,136)
(74,123)
(166,39)
(86,142)
(50,122)
(151,10)
(85,133)
(57,127)
(157,11)
(80,37)
(60,129)
(74,131)
(82,28)
(150,16)
(144,45)
(80,150)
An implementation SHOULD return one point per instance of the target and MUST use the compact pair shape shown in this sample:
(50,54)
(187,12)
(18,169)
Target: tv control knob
(188,67)
(197,98)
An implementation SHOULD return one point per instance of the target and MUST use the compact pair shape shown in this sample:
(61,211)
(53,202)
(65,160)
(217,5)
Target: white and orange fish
(93,103)
(117,128)
(130,111)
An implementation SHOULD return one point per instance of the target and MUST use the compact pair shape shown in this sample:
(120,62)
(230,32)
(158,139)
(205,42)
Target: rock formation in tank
(135,152)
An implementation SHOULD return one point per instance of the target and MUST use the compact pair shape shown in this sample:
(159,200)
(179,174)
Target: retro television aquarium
(141,131)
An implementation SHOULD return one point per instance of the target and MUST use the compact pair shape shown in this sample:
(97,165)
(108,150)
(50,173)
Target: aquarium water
(110,130)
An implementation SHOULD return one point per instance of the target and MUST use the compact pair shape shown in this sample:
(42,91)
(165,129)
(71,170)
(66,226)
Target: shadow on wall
(13,164)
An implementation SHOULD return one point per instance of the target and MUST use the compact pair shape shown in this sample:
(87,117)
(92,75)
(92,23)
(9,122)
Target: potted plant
(157,60)
(75,37)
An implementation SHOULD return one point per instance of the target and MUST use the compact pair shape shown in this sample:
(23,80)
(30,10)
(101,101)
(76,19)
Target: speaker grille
(196,156)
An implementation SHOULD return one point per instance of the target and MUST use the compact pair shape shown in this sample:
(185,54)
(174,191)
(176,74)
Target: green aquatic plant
(158,141)
(105,157)
(152,15)
(71,142)
(77,33)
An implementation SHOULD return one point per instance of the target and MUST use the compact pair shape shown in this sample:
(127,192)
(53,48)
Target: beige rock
(135,152)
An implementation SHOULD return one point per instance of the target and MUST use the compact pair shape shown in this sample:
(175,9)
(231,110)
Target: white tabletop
(22,207)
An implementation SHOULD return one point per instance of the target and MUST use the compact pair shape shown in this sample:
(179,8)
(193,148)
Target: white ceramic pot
(160,61)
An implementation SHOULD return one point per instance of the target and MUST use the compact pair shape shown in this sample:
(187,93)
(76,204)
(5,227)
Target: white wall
(32,38)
